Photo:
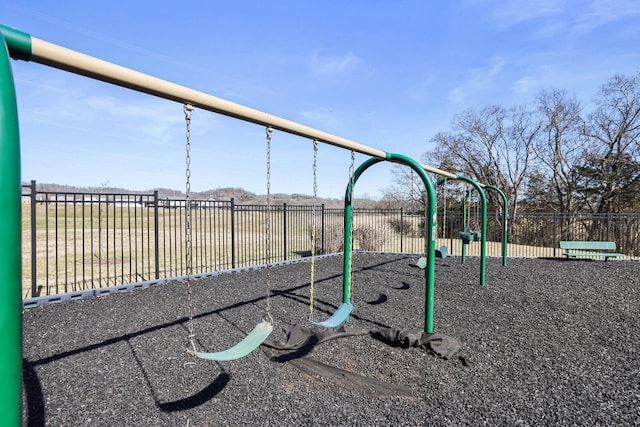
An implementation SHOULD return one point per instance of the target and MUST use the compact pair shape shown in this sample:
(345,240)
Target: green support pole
(429,271)
(10,250)
(465,200)
(505,219)
(348,226)
(483,237)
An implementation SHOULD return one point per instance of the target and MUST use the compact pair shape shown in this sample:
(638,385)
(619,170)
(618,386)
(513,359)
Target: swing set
(477,231)
(263,329)
(342,313)
(18,45)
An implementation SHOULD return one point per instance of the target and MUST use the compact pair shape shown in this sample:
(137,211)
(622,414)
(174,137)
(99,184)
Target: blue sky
(388,74)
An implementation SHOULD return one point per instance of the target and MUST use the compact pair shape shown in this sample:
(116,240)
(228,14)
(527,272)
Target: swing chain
(351,184)
(269,131)
(444,211)
(352,168)
(313,229)
(188,111)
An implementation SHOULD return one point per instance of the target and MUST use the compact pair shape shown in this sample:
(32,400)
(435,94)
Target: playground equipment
(430,228)
(469,234)
(263,329)
(344,310)
(21,46)
(481,235)
(442,251)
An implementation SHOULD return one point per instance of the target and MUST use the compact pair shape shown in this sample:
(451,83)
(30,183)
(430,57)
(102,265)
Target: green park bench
(582,247)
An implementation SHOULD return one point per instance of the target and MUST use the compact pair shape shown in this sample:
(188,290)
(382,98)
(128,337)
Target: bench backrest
(578,245)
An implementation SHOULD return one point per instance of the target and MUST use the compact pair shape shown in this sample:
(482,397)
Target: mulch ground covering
(546,342)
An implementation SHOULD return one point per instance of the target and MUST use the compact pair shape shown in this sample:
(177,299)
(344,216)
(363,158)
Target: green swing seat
(338,318)
(440,253)
(244,347)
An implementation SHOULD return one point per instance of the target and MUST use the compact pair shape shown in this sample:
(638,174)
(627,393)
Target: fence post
(233,233)
(156,234)
(284,231)
(555,235)
(450,235)
(34,240)
(322,227)
(401,227)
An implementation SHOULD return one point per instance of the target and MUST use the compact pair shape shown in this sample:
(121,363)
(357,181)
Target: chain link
(351,184)
(268,223)
(188,111)
(313,229)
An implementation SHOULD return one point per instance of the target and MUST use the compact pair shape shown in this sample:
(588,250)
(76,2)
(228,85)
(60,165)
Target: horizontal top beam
(46,53)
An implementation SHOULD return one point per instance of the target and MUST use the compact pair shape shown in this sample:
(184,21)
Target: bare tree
(546,155)
(492,145)
(406,189)
(610,180)
(561,150)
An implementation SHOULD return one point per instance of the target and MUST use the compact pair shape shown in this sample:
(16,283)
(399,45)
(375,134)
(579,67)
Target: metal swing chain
(188,110)
(268,225)
(313,229)
(444,211)
(351,183)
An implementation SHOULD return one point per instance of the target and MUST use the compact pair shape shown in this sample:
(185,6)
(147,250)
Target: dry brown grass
(88,246)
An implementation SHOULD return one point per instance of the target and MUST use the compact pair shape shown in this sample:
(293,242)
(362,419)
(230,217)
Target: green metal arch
(18,43)
(429,271)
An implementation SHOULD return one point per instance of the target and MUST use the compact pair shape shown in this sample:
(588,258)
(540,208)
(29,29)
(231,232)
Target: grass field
(93,245)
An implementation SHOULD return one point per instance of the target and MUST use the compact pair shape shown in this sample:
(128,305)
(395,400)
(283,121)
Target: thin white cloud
(523,85)
(333,64)
(323,118)
(509,13)
(422,89)
(602,12)
(479,79)
(554,18)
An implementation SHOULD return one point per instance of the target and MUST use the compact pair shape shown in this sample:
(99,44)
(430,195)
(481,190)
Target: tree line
(552,154)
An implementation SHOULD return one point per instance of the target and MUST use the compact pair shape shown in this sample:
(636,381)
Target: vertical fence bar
(322,225)
(66,245)
(83,245)
(106,233)
(156,235)
(233,233)
(401,228)
(122,250)
(46,246)
(284,231)
(555,235)
(75,240)
(56,248)
(34,240)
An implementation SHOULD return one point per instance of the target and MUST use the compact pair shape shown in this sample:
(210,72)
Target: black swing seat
(244,347)
(470,236)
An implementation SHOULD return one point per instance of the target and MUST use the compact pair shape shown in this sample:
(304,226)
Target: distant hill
(240,195)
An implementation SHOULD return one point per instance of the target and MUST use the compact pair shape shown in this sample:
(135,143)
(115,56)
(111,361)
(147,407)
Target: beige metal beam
(62,58)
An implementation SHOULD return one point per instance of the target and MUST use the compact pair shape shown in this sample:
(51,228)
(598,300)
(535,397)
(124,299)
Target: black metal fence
(73,241)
